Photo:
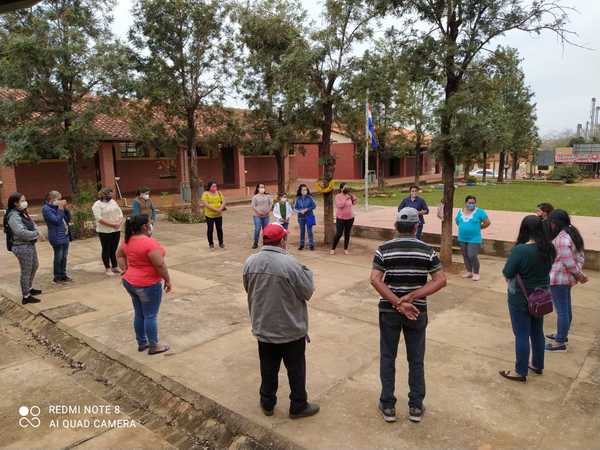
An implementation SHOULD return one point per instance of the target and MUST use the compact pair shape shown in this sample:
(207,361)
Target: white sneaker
(332,252)
(475,277)
(467,275)
(346,252)
(110,273)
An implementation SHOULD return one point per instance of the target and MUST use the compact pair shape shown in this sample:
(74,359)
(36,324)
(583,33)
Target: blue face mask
(471,206)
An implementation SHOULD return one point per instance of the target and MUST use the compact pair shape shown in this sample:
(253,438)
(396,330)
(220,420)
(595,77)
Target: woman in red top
(141,259)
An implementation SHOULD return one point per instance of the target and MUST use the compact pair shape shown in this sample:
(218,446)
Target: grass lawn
(577,200)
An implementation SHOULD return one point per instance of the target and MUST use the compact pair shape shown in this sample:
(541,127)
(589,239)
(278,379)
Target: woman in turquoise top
(471,220)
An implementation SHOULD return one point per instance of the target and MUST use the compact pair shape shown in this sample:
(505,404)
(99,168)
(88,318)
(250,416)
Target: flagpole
(367,152)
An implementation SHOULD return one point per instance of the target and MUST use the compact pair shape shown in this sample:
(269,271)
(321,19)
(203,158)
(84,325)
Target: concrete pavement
(469,340)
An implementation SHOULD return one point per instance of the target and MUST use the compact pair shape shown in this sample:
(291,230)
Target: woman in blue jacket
(57,217)
(305,206)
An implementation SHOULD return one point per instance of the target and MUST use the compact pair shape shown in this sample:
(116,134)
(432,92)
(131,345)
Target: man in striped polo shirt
(401,268)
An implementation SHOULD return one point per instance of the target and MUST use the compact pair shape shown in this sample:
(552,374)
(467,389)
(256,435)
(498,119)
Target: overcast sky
(564,79)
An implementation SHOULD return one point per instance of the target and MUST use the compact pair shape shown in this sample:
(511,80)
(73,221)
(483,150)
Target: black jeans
(342,226)
(218,222)
(109,243)
(390,326)
(292,354)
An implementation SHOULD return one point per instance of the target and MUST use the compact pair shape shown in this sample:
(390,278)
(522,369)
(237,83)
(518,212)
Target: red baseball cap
(274,233)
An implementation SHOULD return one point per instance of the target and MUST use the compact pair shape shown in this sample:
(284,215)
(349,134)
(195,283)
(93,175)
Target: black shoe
(416,414)
(536,371)
(211,246)
(221,245)
(310,410)
(59,281)
(30,299)
(67,279)
(506,374)
(311,248)
(255,245)
(142,348)
(267,412)
(35,291)
(389,414)
(301,247)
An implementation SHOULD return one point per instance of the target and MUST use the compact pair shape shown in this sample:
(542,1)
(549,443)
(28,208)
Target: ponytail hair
(134,224)
(560,221)
(532,229)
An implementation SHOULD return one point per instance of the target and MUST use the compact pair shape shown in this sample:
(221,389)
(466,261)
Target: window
(201,151)
(541,167)
(132,150)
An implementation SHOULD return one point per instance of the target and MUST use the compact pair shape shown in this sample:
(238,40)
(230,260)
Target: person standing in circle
(305,206)
(142,260)
(471,220)
(21,237)
(262,203)
(344,217)
(530,260)
(282,211)
(213,202)
(57,217)
(418,203)
(142,204)
(109,219)
(567,271)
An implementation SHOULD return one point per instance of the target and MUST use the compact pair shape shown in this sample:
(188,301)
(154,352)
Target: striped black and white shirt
(406,263)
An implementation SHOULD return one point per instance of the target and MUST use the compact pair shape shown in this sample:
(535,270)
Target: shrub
(567,173)
(87,195)
(82,223)
(185,216)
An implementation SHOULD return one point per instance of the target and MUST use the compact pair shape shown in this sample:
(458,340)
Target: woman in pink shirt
(142,260)
(344,217)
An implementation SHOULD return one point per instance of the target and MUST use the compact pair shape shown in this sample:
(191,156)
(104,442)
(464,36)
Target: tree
(63,64)
(182,60)
(271,36)
(460,30)
(330,59)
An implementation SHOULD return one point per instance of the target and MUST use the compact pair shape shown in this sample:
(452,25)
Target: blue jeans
(303,229)
(390,326)
(146,302)
(419,231)
(61,251)
(259,224)
(561,297)
(529,335)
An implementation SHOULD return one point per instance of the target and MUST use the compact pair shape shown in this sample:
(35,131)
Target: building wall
(346,165)
(210,169)
(34,180)
(260,169)
(306,165)
(160,175)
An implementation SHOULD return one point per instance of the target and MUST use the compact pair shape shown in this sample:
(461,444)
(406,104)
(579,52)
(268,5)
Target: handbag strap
(521,285)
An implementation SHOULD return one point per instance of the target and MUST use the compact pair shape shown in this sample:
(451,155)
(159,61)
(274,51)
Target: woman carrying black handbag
(530,259)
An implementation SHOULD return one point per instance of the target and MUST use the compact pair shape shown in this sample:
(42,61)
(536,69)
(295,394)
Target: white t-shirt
(109,211)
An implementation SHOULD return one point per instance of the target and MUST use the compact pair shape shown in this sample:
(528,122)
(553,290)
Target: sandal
(506,374)
(536,371)
(158,349)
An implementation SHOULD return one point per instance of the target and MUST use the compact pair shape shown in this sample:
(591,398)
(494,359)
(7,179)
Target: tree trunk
(484,176)
(73,173)
(380,168)
(191,148)
(328,162)
(501,167)
(466,170)
(280,161)
(515,166)
(417,161)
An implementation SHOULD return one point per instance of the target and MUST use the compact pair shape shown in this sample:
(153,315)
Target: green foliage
(568,173)
(184,216)
(86,196)
(82,223)
(54,56)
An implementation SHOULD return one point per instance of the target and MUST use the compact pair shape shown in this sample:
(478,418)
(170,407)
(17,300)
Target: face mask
(23,205)
(146,196)
(56,202)
(108,197)
(284,199)
(304,191)
(261,190)
(213,189)
(150,229)
(471,206)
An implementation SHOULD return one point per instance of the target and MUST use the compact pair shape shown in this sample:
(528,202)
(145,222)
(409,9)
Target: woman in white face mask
(142,204)
(21,236)
(262,204)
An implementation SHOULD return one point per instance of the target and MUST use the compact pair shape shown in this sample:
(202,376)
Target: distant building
(586,156)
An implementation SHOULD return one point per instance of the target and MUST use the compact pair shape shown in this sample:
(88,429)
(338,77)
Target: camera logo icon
(29,416)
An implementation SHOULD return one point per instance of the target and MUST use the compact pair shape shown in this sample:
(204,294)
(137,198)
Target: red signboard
(577,158)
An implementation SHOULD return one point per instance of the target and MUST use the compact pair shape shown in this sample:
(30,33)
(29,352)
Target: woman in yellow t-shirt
(213,202)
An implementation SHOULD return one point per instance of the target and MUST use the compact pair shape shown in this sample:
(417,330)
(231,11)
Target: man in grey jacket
(278,288)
